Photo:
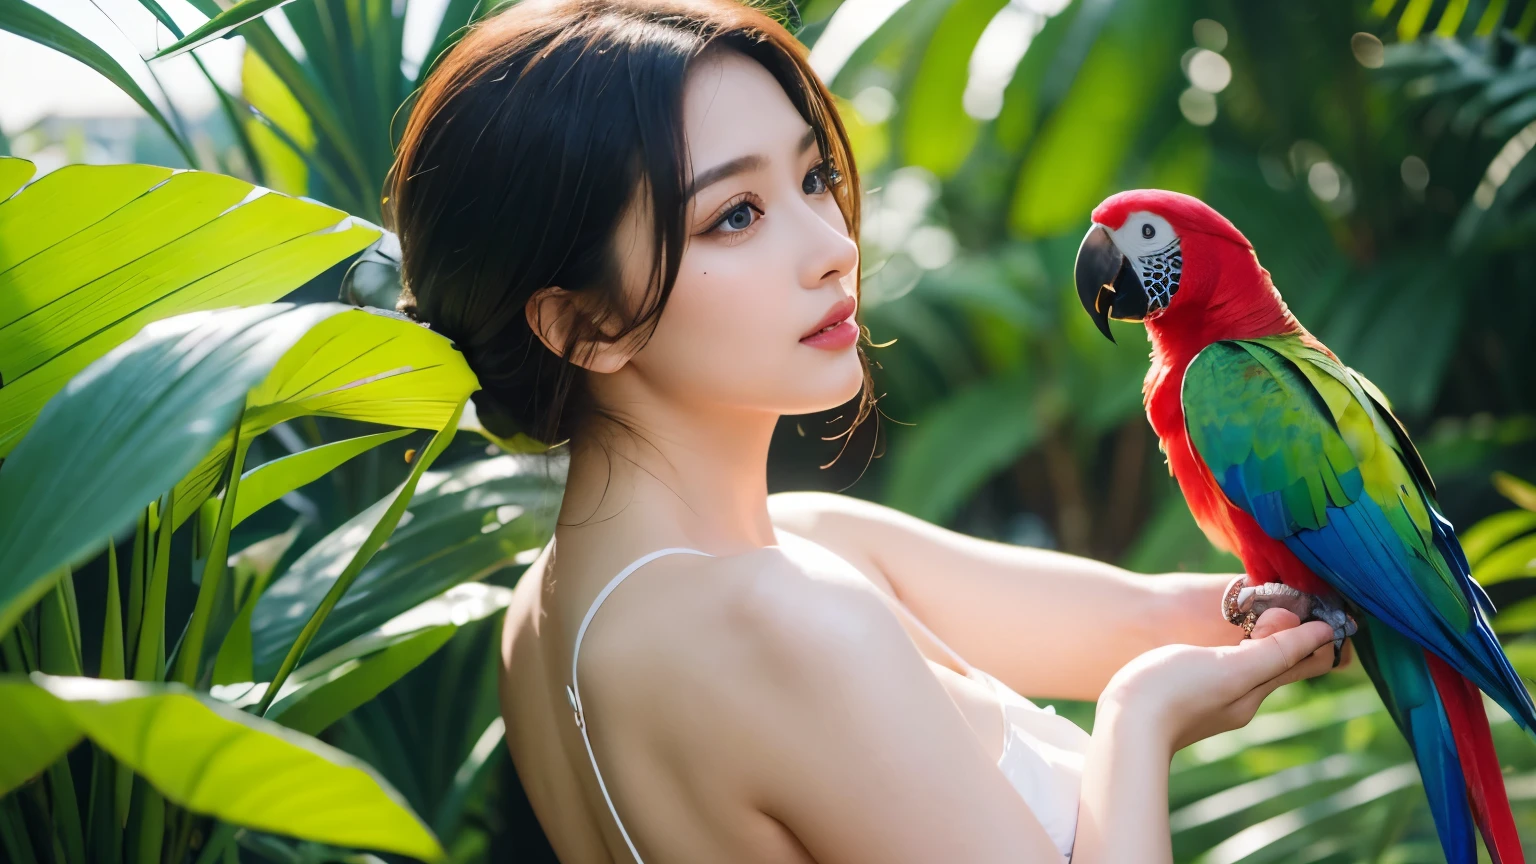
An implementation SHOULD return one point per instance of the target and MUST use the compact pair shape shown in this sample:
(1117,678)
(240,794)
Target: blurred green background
(1377,154)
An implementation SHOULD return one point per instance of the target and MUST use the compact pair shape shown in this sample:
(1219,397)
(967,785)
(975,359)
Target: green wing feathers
(1293,437)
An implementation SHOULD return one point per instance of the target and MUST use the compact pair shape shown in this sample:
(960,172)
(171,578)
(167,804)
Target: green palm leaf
(220,25)
(462,524)
(93,253)
(370,365)
(159,401)
(170,397)
(323,690)
(213,759)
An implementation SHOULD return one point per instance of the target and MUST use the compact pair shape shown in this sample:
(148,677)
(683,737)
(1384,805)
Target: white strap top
(1042,752)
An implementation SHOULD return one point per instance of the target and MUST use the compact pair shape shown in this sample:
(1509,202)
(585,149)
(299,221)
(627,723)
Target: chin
(827,391)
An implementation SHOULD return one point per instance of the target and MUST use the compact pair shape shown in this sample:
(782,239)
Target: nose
(829,254)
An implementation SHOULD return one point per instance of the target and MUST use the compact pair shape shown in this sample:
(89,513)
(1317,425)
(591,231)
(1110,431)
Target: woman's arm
(846,738)
(1005,607)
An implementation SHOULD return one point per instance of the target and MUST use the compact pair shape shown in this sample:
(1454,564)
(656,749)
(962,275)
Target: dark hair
(525,147)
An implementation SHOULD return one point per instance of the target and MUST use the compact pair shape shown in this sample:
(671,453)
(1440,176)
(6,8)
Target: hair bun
(494,415)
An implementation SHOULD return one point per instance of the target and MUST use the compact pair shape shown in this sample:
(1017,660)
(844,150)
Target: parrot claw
(1242,604)
(1343,625)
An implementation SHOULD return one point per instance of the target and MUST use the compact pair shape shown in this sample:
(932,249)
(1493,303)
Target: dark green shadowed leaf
(323,690)
(149,659)
(462,524)
(113,665)
(252,568)
(996,420)
(370,545)
(329,696)
(190,652)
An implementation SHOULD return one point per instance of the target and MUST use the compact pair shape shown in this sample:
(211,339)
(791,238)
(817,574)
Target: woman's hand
(1184,693)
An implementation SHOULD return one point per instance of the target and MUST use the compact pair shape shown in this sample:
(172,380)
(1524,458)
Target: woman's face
(768,258)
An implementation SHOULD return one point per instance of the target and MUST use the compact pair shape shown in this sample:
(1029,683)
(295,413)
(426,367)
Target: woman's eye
(816,181)
(740,218)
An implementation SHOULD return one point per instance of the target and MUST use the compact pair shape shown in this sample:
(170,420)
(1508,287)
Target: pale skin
(766,704)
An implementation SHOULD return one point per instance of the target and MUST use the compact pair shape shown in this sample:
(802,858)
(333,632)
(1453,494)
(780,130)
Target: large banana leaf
(939,83)
(89,254)
(211,759)
(1071,165)
(462,524)
(158,402)
(370,365)
(170,397)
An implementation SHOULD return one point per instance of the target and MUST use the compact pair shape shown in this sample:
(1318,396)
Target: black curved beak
(1107,285)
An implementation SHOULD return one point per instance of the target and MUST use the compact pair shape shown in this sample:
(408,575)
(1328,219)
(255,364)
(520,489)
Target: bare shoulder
(735,619)
(800,693)
(716,651)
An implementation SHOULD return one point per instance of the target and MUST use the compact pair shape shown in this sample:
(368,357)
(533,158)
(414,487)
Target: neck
(1234,312)
(679,474)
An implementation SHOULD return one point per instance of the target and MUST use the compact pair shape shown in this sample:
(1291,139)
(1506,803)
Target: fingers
(1273,621)
(1276,619)
(1275,654)
(1319,662)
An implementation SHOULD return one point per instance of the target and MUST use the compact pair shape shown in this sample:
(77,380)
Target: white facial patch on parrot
(1153,249)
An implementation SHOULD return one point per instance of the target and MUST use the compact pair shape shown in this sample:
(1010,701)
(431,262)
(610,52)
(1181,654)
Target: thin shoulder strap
(573,690)
(901,608)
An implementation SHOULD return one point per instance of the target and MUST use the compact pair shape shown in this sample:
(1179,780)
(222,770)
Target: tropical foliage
(200,721)
(243,555)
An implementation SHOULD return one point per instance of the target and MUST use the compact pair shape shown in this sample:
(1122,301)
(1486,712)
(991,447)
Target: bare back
(710,814)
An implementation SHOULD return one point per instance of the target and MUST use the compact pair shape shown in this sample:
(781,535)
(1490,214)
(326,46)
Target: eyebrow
(739,165)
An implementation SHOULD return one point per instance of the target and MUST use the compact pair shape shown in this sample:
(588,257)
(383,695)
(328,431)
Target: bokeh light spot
(1198,106)
(1209,71)
(1210,34)
(1368,50)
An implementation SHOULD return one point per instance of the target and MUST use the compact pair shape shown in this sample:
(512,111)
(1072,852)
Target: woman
(787,678)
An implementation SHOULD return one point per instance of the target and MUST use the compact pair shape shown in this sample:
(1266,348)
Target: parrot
(1296,464)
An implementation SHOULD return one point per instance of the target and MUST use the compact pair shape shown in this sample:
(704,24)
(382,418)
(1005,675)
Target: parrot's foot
(1242,604)
(1324,609)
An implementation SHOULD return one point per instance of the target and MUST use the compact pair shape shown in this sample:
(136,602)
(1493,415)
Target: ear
(554,314)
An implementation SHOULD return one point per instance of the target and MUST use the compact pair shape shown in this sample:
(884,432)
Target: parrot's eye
(1148,232)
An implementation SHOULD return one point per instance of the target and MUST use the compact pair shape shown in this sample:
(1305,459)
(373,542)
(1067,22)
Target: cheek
(729,334)
(739,295)
(725,323)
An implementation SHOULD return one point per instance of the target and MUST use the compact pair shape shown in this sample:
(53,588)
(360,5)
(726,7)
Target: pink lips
(843,331)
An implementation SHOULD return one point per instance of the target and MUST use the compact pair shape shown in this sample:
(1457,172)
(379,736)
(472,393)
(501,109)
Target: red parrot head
(1149,249)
